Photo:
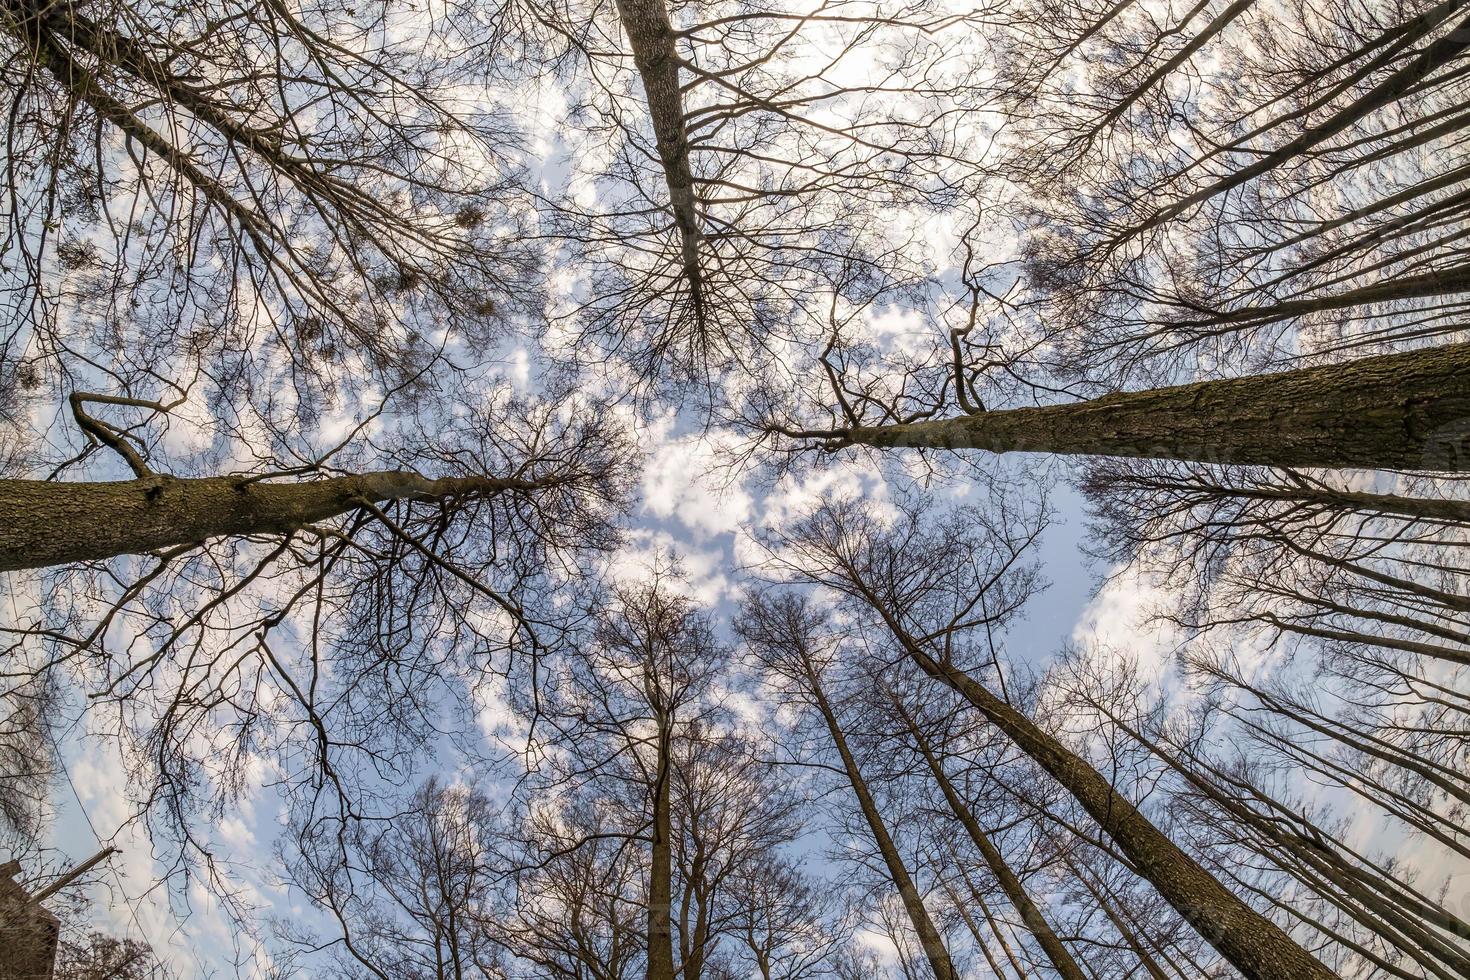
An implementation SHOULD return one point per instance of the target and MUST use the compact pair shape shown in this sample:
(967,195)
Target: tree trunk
(1145,959)
(995,929)
(1014,890)
(1435,56)
(970,924)
(1399,411)
(913,903)
(661,867)
(1255,945)
(44,523)
(651,36)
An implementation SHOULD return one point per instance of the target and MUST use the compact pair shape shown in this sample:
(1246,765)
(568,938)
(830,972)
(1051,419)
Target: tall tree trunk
(995,929)
(974,927)
(1399,411)
(1145,959)
(1436,55)
(44,523)
(929,938)
(1015,890)
(661,866)
(1255,945)
(651,36)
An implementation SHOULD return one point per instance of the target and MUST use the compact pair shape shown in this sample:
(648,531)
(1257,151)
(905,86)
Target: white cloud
(704,578)
(684,480)
(1118,618)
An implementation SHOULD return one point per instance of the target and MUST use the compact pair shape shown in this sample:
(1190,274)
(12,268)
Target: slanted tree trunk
(1015,890)
(651,36)
(973,926)
(44,523)
(1435,56)
(1255,945)
(1398,411)
(995,929)
(1145,959)
(913,903)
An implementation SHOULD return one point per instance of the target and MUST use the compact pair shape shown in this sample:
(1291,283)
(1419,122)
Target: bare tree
(99,956)
(1403,411)
(1219,762)
(1015,891)
(1313,171)
(637,733)
(412,898)
(580,910)
(787,638)
(233,183)
(742,151)
(338,637)
(928,588)
(789,928)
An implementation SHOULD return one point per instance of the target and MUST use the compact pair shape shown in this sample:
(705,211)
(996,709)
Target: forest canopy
(810,489)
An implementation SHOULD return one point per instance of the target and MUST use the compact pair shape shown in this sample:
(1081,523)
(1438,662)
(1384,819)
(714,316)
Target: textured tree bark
(44,523)
(1426,508)
(1015,890)
(651,35)
(1257,947)
(913,903)
(1398,411)
(661,866)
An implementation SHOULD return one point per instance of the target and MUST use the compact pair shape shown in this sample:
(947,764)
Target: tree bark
(1255,945)
(661,866)
(651,36)
(1400,411)
(44,523)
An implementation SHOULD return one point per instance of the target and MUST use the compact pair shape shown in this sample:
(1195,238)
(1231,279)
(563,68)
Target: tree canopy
(661,490)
